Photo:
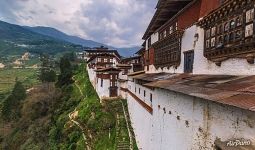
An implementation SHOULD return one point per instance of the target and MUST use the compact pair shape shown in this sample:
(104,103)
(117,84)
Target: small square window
(171,30)
(102,81)
(208,34)
(220,29)
(207,43)
(212,42)
(220,41)
(249,15)
(225,38)
(238,34)
(226,26)
(213,31)
(239,21)
(249,30)
(231,37)
(165,33)
(232,24)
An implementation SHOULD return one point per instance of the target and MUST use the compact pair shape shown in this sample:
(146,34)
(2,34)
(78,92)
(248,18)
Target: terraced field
(8,77)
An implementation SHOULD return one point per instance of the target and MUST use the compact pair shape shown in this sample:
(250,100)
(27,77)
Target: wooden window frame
(231,39)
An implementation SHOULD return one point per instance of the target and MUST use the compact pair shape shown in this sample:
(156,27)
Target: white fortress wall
(104,90)
(190,122)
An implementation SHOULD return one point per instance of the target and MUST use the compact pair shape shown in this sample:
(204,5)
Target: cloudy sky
(120,23)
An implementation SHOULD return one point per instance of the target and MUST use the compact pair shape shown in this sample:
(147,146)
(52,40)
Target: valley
(49,114)
(28,76)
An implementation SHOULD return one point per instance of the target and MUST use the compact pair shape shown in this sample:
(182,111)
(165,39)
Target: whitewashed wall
(154,38)
(235,66)
(123,94)
(92,76)
(115,62)
(141,119)
(206,122)
(132,86)
(104,90)
(122,85)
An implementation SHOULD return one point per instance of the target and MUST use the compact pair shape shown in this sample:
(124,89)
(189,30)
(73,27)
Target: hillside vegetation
(15,40)
(48,114)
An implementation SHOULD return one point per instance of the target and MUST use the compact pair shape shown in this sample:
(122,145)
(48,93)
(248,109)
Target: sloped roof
(166,9)
(103,51)
(108,69)
(123,66)
(98,55)
(238,91)
(136,73)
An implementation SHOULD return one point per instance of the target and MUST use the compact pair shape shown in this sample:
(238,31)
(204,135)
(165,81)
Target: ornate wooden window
(229,31)
(168,50)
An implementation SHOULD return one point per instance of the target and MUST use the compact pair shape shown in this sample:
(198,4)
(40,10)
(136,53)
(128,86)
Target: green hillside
(15,40)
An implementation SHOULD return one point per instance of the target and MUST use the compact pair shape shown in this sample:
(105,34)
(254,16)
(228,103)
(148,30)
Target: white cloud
(115,22)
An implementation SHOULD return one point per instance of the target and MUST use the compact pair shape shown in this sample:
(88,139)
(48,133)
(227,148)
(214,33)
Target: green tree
(66,72)
(47,73)
(11,105)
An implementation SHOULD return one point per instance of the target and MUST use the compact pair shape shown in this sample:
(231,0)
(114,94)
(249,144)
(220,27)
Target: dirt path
(74,114)
(71,117)
(127,124)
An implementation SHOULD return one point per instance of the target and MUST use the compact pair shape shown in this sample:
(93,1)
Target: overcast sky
(120,23)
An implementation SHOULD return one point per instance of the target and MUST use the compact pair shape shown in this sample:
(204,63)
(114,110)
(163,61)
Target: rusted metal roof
(153,76)
(108,69)
(123,65)
(136,73)
(238,91)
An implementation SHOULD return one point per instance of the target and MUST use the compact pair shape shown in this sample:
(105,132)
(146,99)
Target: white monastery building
(192,85)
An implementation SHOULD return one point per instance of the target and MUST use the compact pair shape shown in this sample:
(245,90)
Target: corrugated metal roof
(107,69)
(238,91)
(136,73)
(153,76)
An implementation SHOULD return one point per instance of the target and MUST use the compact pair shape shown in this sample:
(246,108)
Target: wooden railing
(142,103)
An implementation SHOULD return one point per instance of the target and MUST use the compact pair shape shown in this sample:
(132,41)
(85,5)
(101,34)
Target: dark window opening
(231,37)
(151,97)
(149,42)
(232,24)
(144,93)
(188,61)
(102,81)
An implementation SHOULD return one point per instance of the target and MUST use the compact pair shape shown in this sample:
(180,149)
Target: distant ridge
(15,40)
(52,32)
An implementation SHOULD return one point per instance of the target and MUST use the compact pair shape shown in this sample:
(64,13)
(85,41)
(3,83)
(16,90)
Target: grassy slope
(103,123)
(55,127)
